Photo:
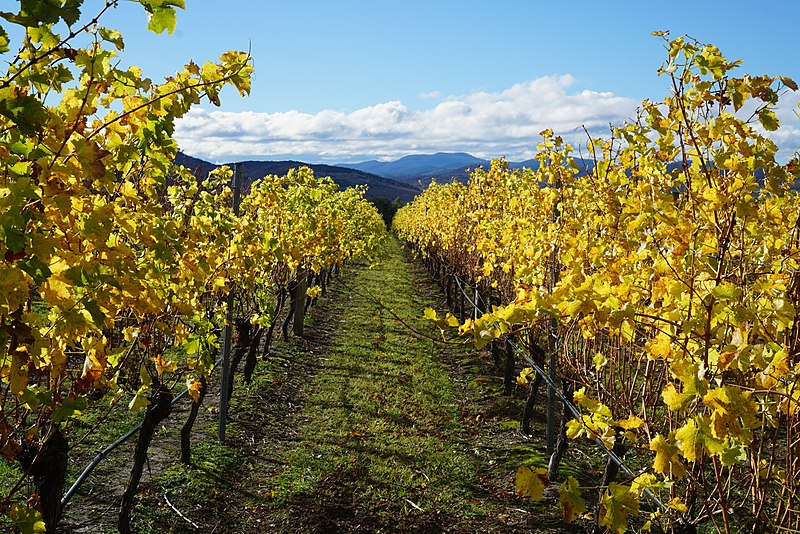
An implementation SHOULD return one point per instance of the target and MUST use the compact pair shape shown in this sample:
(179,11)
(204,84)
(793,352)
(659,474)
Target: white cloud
(486,124)
(788,135)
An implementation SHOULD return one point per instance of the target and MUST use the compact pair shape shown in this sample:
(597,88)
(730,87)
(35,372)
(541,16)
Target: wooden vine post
(225,382)
(298,302)
(552,347)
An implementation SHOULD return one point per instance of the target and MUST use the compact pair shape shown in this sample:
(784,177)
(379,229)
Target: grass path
(383,418)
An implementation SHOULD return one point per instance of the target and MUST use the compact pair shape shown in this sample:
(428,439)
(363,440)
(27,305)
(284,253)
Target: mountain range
(442,166)
(401,179)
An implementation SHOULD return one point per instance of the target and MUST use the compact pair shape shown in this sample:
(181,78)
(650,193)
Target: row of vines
(663,277)
(117,266)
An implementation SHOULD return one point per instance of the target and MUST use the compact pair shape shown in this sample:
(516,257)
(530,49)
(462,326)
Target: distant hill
(442,166)
(377,186)
(409,169)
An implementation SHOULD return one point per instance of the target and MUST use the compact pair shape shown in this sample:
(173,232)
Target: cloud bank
(485,124)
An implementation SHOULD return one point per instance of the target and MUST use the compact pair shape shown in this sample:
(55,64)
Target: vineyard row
(659,286)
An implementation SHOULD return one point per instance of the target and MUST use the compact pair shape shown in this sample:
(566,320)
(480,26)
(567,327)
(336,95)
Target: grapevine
(671,268)
(116,262)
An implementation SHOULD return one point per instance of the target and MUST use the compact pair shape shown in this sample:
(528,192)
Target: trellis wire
(552,386)
(105,452)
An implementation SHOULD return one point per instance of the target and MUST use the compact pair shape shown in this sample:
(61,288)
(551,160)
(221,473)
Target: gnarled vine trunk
(158,408)
(48,469)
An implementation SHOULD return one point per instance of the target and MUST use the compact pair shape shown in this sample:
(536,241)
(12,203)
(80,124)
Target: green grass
(382,410)
(194,487)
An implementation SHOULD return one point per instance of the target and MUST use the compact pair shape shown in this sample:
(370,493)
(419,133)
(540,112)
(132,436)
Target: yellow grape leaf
(593,405)
(531,482)
(599,361)
(194,387)
(768,119)
(53,355)
(452,320)
(164,365)
(139,401)
(575,429)
(571,500)
(691,376)
(18,379)
(726,358)
(677,504)
(659,346)
(130,333)
(617,504)
(631,423)
(27,520)
(90,156)
(696,436)
(643,482)
(15,288)
(56,290)
(524,375)
(627,331)
(777,369)
(673,398)
(521,295)
(313,291)
(128,191)
(466,327)
(667,462)
(220,283)
(431,315)
(689,440)
(569,308)
(734,412)
(443,323)
(608,435)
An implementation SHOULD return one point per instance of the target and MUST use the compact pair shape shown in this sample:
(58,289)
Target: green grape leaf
(44,11)
(35,13)
(617,504)
(70,407)
(162,14)
(35,267)
(768,119)
(97,314)
(162,20)
(732,453)
(4,41)
(27,520)
(26,111)
(112,36)
(71,11)
(13,237)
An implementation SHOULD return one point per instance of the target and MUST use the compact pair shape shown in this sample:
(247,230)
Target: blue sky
(352,80)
